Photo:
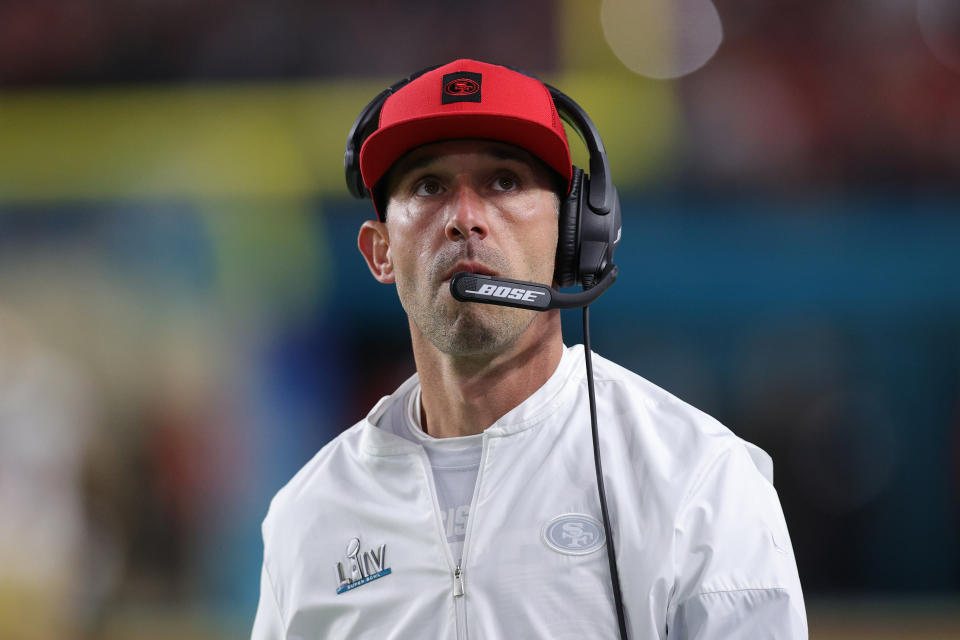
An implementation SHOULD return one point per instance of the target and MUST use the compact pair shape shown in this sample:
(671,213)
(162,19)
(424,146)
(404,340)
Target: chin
(483,329)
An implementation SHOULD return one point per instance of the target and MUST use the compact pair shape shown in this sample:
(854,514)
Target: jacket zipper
(459,604)
(459,589)
(458,584)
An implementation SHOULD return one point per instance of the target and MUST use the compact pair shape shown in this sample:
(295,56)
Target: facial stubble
(461,328)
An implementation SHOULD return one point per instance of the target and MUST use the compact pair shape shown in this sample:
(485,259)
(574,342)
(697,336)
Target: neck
(463,395)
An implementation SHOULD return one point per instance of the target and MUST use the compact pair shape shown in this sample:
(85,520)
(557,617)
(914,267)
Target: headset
(589,217)
(588,233)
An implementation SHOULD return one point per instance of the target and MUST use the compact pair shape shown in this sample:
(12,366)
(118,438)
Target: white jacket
(702,547)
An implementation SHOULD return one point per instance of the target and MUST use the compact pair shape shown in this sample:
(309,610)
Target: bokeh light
(662,39)
(940,25)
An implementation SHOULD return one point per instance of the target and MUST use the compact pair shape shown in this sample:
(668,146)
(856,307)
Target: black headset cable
(611,552)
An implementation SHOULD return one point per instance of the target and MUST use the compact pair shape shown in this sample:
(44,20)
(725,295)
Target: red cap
(467,99)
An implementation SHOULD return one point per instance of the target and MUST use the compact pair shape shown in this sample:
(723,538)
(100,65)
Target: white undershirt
(455,463)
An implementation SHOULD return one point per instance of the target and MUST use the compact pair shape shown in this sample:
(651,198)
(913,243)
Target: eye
(505,183)
(428,187)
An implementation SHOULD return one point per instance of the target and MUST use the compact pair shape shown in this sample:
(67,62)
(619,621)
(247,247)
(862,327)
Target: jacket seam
(718,591)
(688,498)
(551,407)
(273,592)
(526,425)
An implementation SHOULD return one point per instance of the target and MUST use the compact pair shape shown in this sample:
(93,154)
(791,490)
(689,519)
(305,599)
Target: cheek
(411,257)
(403,240)
(545,254)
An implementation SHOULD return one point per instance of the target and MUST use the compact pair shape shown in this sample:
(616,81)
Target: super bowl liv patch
(362,567)
(574,534)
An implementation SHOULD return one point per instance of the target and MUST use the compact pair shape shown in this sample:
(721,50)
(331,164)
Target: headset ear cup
(568,232)
(351,167)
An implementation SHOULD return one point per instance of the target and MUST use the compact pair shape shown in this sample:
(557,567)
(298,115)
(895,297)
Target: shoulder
(674,439)
(334,469)
(315,482)
(654,408)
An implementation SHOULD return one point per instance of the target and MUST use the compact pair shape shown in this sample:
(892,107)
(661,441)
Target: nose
(468,216)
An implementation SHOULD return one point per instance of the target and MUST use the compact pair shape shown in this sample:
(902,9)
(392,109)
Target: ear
(374,243)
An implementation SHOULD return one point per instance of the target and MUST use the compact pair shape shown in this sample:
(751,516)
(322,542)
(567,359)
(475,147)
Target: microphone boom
(476,287)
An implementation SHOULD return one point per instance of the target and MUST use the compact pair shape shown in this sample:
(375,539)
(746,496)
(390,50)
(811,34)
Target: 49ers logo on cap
(463,86)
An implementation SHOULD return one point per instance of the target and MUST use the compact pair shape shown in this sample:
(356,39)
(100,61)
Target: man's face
(468,205)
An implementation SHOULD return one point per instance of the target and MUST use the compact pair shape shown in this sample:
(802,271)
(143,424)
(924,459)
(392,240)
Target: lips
(472,267)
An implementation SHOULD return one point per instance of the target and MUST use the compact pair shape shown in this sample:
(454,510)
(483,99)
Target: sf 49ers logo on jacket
(574,534)
(361,567)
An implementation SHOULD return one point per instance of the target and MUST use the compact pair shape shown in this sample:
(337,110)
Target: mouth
(472,267)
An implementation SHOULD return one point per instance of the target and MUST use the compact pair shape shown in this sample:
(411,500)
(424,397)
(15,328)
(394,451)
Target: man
(465,504)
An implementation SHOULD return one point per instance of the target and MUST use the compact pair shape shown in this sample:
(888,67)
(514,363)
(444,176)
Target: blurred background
(184,319)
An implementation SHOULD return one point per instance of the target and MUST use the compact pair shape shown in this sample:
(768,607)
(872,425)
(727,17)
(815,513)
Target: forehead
(436,154)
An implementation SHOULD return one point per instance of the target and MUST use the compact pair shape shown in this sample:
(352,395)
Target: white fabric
(702,547)
(453,461)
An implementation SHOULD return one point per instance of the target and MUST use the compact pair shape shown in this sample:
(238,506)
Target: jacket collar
(554,394)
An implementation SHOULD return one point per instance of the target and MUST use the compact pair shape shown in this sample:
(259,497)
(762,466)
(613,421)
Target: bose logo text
(512,293)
